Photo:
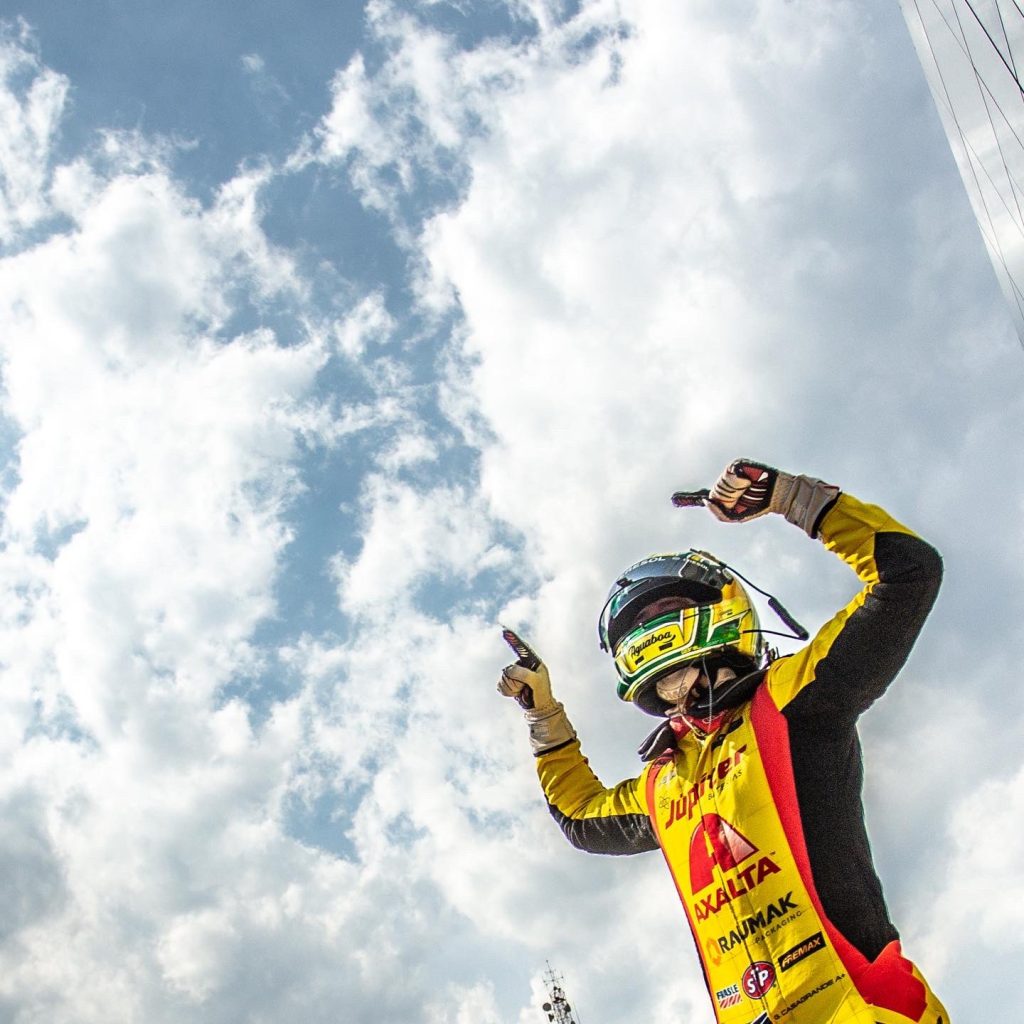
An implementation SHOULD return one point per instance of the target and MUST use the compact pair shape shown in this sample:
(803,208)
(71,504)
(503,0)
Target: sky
(334,335)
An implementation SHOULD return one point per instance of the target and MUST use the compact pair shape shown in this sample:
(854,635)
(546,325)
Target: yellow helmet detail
(716,616)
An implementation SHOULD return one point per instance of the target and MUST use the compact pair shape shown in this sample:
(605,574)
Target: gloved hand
(549,725)
(517,679)
(748,489)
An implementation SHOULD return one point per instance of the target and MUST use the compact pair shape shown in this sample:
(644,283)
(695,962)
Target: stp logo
(758,978)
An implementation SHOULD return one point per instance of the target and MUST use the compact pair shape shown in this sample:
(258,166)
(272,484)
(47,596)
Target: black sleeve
(617,836)
(877,637)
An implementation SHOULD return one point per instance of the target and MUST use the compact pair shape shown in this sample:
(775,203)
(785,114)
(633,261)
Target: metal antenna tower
(557,1007)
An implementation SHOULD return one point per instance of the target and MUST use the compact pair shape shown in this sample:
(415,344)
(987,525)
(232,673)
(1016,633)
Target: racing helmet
(718,623)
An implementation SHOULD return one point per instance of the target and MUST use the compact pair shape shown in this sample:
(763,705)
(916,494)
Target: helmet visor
(695,575)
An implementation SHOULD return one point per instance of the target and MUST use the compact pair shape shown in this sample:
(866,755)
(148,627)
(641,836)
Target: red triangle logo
(715,841)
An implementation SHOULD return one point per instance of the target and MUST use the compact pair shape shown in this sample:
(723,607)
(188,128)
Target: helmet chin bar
(729,694)
(717,698)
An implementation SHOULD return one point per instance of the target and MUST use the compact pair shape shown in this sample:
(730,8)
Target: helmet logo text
(664,640)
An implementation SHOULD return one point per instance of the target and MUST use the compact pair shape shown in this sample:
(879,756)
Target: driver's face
(662,606)
(682,687)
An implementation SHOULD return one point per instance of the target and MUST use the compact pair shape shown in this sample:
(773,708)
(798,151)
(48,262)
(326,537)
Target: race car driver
(752,786)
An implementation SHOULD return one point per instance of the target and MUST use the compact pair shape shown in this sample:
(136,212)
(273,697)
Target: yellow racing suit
(761,821)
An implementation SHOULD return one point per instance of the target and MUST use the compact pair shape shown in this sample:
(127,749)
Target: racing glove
(549,725)
(748,489)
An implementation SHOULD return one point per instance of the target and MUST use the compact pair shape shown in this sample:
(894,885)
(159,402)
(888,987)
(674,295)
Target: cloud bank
(636,240)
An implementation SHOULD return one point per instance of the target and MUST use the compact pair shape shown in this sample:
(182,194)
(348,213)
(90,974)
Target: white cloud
(403,125)
(661,236)
(31,102)
(675,244)
(253,63)
(982,886)
(411,536)
(191,952)
(271,93)
(473,1004)
(408,450)
(144,529)
(369,322)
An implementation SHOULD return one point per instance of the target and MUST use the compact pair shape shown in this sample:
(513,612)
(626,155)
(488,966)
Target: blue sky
(334,335)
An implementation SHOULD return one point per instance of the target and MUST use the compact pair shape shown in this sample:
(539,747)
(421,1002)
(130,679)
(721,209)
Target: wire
(1006,38)
(974,161)
(984,28)
(988,112)
(967,53)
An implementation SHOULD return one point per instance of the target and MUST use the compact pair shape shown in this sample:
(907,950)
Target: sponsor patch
(801,951)
(683,807)
(729,996)
(758,978)
(828,983)
(747,879)
(750,926)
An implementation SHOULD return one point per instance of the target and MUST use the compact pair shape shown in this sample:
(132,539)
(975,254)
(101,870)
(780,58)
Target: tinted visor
(695,575)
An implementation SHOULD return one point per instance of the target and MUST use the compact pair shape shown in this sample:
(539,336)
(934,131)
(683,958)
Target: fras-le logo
(728,996)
